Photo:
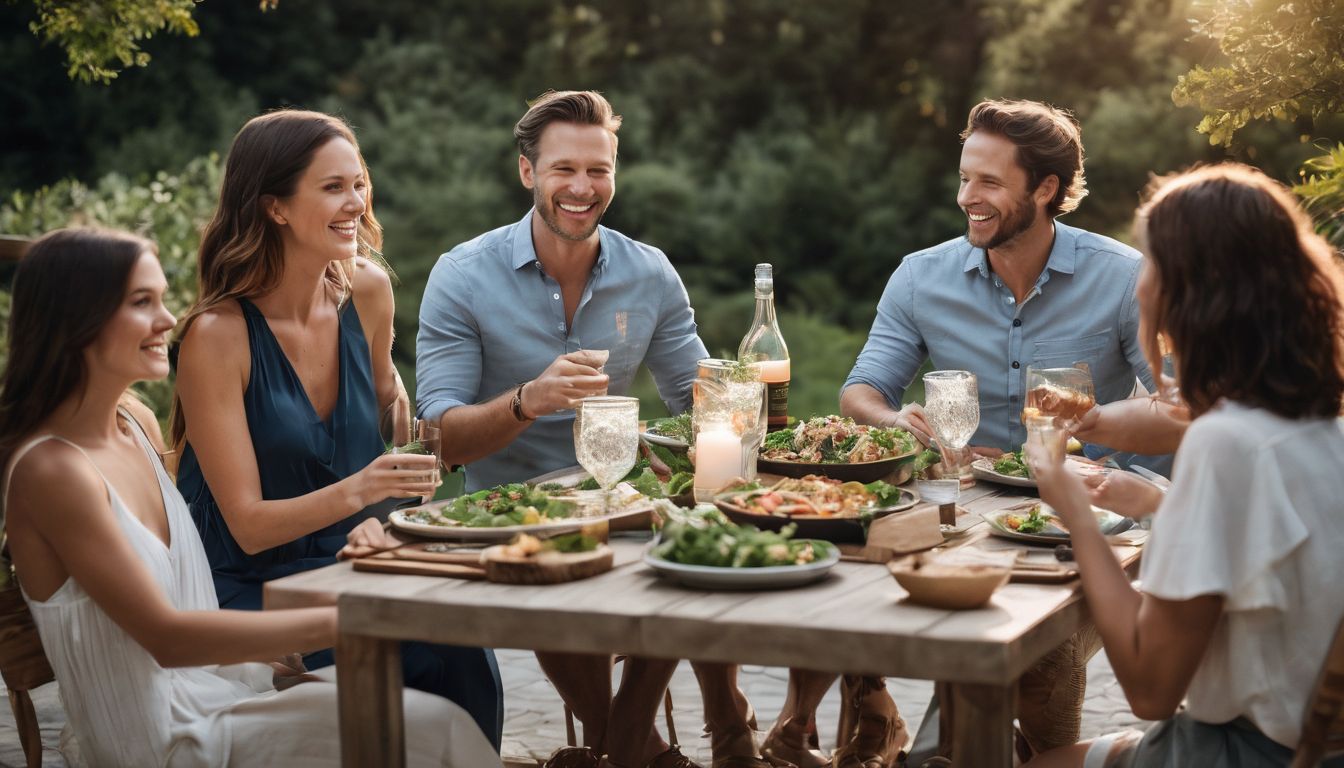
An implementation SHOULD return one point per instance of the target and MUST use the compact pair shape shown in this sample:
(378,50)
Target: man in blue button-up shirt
(521,323)
(1018,289)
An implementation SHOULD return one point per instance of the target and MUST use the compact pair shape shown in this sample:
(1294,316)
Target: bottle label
(778,408)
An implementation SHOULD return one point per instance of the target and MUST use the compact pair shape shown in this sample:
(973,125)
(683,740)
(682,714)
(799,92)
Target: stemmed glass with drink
(606,439)
(1064,394)
(952,406)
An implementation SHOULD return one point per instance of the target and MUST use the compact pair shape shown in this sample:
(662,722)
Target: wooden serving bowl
(954,587)
(545,567)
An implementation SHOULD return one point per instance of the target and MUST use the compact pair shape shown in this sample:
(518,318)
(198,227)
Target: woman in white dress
(1240,579)
(151,672)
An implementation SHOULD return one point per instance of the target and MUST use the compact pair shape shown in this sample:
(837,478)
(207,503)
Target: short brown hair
(582,107)
(1049,143)
(1250,296)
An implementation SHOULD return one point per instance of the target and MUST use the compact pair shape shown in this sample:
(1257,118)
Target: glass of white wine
(606,439)
(952,405)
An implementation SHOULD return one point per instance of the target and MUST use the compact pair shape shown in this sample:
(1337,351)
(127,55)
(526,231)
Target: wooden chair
(1323,725)
(24,666)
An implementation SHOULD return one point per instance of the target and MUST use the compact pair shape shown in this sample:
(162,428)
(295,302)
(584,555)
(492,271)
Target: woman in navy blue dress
(284,367)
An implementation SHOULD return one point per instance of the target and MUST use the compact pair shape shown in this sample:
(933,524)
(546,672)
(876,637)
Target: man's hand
(565,382)
(911,418)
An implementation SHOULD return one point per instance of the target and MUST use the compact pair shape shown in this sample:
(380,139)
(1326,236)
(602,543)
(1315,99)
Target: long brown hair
(1249,296)
(242,254)
(66,288)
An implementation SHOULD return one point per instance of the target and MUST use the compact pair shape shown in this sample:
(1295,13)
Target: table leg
(368,687)
(982,725)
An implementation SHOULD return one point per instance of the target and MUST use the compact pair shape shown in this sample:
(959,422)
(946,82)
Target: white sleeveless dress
(126,710)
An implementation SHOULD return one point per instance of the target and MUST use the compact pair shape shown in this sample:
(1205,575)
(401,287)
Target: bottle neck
(765,307)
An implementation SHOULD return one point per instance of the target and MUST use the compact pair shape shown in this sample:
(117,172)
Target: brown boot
(879,736)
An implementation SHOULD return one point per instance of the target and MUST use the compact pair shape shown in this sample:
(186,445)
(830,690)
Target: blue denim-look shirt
(945,304)
(492,319)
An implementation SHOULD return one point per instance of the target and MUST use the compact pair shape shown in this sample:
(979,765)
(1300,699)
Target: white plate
(1109,522)
(674,443)
(770,577)
(507,532)
(983,469)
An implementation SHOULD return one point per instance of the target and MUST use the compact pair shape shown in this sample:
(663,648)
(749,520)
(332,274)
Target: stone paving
(534,724)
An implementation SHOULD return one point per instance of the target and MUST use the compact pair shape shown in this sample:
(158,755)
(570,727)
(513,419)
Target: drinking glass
(1051,435)
(731,396)
(606,439)
(952,405)
(1062,394)
(423,440)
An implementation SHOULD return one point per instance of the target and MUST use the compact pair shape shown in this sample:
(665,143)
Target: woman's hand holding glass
(1060,488)
(396,475)
(1124,493)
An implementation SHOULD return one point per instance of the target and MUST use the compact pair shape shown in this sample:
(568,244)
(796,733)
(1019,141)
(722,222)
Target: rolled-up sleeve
(448,345)
(675,347)
(895,348)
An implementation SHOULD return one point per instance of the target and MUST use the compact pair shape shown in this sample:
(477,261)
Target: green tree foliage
(102,37)
(1285,62)
(169,208)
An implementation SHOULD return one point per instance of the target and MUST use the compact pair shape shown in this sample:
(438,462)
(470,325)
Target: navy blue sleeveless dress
(298,453)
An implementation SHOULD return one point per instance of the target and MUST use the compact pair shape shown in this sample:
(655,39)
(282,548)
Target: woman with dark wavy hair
(1241,576)
(284,369)
(108,559)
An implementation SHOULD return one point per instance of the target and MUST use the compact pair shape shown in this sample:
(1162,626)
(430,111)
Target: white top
(1256,514)
(126,710)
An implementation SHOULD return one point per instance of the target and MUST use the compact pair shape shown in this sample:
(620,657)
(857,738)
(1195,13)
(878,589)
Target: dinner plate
(864,472)
(838,530)
(768,577)
(1110,524)
(983,469)
(673,443)
(504,533)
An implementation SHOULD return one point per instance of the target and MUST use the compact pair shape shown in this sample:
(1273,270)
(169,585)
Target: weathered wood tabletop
(853,621)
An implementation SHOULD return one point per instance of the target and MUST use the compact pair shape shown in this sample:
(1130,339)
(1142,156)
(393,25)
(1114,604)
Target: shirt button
(555,296)
(1017,322)
(1015,365)
(1007,299)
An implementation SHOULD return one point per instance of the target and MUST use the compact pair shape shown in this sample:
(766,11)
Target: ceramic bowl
(954,587)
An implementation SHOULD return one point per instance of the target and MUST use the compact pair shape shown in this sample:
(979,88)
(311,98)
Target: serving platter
(1109,522)
(838,530)
(634,506)
(983,469)
(768,577)
(863,472)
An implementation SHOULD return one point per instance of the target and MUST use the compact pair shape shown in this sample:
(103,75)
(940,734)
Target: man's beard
(552,219)
(1018,220)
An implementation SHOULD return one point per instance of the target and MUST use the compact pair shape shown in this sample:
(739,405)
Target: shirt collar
(1063,253)
(525,253)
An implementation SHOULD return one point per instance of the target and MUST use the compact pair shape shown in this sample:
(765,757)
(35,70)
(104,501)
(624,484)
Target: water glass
(1047,430)
(952,405)
(606,438)
(423,440)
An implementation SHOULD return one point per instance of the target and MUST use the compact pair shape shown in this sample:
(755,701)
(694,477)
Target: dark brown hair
(1248,294)
(66,287)
(581,107)
(1049,143)
(242,253)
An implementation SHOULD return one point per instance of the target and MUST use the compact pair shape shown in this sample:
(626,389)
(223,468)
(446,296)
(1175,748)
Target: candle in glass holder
(718,459)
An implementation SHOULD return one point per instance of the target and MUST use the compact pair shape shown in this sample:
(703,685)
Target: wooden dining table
(855,621)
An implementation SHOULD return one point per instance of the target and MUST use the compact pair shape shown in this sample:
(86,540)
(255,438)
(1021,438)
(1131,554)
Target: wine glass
(606,439)
(1063,394)
(952,405)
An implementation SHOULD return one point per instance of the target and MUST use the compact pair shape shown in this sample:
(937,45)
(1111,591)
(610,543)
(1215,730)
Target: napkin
(902,533)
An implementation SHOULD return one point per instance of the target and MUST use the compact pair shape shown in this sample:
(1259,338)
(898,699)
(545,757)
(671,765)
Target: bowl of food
(952,586)
(817,507)
(838,448)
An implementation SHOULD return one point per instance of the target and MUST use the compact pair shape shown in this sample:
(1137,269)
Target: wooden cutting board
(492,565)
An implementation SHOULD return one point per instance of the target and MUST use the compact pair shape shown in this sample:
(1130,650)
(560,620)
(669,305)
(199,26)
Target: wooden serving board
(546,568)
(418,568)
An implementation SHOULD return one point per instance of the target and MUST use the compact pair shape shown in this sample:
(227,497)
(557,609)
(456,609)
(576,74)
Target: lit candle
(718,459)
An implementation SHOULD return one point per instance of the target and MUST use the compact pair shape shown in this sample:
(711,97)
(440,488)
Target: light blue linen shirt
(946,304)
(492,319)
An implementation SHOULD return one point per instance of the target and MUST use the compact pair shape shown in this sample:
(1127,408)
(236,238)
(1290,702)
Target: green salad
(704,536)
(643,479)
(675,427)
(1013,464)
(503,505)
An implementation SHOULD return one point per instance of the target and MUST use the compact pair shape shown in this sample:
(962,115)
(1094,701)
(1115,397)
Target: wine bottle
(764,345)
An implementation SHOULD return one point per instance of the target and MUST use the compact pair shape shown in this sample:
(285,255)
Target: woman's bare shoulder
(53,476)
(217,335)
(371,284)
